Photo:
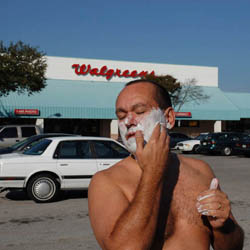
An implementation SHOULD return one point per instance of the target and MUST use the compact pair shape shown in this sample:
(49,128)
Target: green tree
(180,93)
(22,69)
(168,82)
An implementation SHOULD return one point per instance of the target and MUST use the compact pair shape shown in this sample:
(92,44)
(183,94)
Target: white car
(191,146)
(60,163)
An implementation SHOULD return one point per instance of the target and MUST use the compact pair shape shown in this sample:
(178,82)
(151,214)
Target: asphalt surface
(64,225)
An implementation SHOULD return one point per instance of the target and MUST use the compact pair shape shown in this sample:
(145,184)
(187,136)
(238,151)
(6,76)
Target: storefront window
(187,124)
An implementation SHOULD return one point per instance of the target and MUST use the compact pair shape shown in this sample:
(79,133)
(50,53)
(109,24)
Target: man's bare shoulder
(194,175)
(112,176)
(196,166)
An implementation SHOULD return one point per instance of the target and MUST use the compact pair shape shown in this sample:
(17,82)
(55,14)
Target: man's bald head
(161,94)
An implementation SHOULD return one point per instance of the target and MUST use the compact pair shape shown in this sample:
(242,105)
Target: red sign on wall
(27,112)
(108,73)
(183,114)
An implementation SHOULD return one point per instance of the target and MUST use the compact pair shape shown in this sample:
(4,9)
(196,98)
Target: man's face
(137,109)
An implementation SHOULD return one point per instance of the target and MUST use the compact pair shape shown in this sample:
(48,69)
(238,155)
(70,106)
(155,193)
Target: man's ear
(170,117)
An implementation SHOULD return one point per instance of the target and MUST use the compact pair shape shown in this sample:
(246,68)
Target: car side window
(235,138)
(74,150)
(67,150)
(9,133)
(223,137)
(28,131)
(183,136)
(84,150)
(107,150)
(119,151)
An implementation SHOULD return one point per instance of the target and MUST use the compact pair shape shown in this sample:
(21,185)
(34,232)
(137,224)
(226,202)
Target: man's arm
(118,223)
(226,233)
(229,237)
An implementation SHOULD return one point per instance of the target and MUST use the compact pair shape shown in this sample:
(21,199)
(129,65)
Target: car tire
(227,151)
(43,188)
(195,149)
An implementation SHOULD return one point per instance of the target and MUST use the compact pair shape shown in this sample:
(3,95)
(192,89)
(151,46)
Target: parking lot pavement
(64,225)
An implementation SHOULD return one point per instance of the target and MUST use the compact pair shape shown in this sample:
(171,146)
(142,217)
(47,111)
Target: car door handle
(64,164)
(104,164)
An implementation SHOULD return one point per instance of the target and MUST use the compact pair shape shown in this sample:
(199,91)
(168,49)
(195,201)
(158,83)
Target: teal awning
(67,99)
(96,100)
(217,107)
(241,101)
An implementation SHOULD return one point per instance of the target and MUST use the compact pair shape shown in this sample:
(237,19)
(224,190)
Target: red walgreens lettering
(82,68)
(103,71)
(126,73)
(109,73)
(118,72)
(94,71)
(134,73)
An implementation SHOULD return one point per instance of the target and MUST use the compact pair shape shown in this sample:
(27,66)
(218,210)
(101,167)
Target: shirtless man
(155,199)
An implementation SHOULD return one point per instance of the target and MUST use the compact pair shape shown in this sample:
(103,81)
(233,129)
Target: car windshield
(210,136)
(246,137)
(21,143)
(38,148)
(200,137)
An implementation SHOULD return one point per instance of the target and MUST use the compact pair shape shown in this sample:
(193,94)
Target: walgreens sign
(108,72)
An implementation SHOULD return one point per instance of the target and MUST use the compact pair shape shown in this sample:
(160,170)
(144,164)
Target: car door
(9,136)
(75,163)
(108,153)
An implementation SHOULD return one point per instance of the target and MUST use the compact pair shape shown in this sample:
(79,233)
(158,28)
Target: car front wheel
(196,149)
(227,151)
(43,188)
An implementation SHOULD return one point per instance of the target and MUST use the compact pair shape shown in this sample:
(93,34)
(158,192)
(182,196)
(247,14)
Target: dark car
(221,142)
(243,146)
(27,143)
(177,137)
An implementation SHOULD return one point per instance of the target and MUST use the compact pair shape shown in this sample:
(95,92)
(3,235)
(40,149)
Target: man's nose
(130,121)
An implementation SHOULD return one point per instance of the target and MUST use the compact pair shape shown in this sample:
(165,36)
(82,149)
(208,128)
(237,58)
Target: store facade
(80,97)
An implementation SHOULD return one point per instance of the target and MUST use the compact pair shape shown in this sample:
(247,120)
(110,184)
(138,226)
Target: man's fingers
(214,183)
(156,132)
(139,140)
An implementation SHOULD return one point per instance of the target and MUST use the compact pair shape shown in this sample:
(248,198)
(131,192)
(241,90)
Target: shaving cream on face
(146,125)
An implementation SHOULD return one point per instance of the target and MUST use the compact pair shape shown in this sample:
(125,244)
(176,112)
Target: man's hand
(154,155)
(214,204)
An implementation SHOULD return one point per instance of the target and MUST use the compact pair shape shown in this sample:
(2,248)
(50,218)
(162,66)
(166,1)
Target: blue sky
(201,32)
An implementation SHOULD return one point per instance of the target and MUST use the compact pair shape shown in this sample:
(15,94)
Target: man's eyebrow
(119,110)
(138,105)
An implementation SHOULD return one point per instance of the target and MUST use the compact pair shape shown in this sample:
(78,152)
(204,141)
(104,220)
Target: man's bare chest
(177,203)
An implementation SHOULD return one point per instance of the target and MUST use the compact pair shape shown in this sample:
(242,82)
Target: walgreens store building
(80,97)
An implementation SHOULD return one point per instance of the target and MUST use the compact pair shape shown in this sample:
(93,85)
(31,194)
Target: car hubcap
(227,151)
(43,189)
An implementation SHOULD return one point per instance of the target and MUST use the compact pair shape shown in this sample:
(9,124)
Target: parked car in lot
(177,137)
(11,134)
(191,146)
(222,142)
(243,146)
(27,143)
(59,163)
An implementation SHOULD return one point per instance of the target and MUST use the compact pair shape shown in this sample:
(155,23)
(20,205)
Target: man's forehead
(137,93)
(140,88)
